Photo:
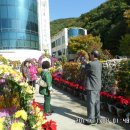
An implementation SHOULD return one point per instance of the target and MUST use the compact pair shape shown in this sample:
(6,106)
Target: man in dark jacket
(93,84)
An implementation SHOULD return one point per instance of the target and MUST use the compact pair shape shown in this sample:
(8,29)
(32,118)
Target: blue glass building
(19,24)
(73,32)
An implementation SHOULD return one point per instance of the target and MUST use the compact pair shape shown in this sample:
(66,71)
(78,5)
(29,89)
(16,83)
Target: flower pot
(110,108)
(103,106)
(119,111)
(64,87)
(113,110)
(127,118)
(69,89)
(75,92)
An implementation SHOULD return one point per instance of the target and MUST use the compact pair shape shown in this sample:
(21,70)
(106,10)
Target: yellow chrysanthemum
(17,126)
(37,110)
(15,102)
(1,126)
(29,90)
(4,69)
(2,119)
(21,114)
(40,114)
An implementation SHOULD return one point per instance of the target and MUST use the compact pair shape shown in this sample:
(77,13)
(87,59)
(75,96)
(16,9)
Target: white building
(59,41)
(24,29)
(44,25)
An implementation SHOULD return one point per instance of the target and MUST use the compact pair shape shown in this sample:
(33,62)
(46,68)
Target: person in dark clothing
(93,88)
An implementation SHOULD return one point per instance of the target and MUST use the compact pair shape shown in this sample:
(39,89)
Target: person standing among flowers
(25,71)
(93,88)
(46,91)
(33,74)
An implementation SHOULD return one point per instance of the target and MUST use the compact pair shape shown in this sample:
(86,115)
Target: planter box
(119,111)
(104,106)
(64,87)
(75,93)
(69,89)
(109,108)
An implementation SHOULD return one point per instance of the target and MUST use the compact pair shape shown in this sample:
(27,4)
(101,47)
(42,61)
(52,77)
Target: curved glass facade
(73,32)
(18,24)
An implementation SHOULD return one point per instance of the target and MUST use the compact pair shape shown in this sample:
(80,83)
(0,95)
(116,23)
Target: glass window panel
(12,35)
(35,18)
(31,26)
(28,26)
(3,2)
(81,32)
(0,35)
(31,5)
(37,38)
(5,36)
(11,12)
(27,44)
(32,44)
(1,45)
(3,11)
(11,2)
(20,43)
(16,2)
(0,24)
(28,36)
(36,27)
(32,19)
(5,43)
(14,23)
(18,24)
(33,37)
(12,43)
(23,24)
(21,13)
(9,23)
(35,7)
(26,3)
(63,39)
(20,36)
(4,23)
(37,45)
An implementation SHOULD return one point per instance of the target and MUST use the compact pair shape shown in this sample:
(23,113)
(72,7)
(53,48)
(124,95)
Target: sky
(71,8)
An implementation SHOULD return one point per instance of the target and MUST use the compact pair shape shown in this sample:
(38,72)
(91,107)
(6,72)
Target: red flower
(103,93)
(49,125)
(36,104)
(124,102)
(82,88)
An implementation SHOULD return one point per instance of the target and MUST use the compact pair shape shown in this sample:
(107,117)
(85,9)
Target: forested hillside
(107,20)
(59,24)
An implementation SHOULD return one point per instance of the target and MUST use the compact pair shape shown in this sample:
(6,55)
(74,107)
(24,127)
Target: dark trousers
(93,104)
(47,105)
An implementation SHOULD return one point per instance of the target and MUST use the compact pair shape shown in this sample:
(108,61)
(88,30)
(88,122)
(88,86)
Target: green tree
(127,16)
(107,20)
(87,43)
(125,45)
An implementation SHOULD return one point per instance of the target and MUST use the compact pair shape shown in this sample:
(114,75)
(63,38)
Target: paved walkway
(68,109)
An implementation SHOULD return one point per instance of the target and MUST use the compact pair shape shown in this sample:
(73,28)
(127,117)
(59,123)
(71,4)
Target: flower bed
(18,109)
(114,104)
